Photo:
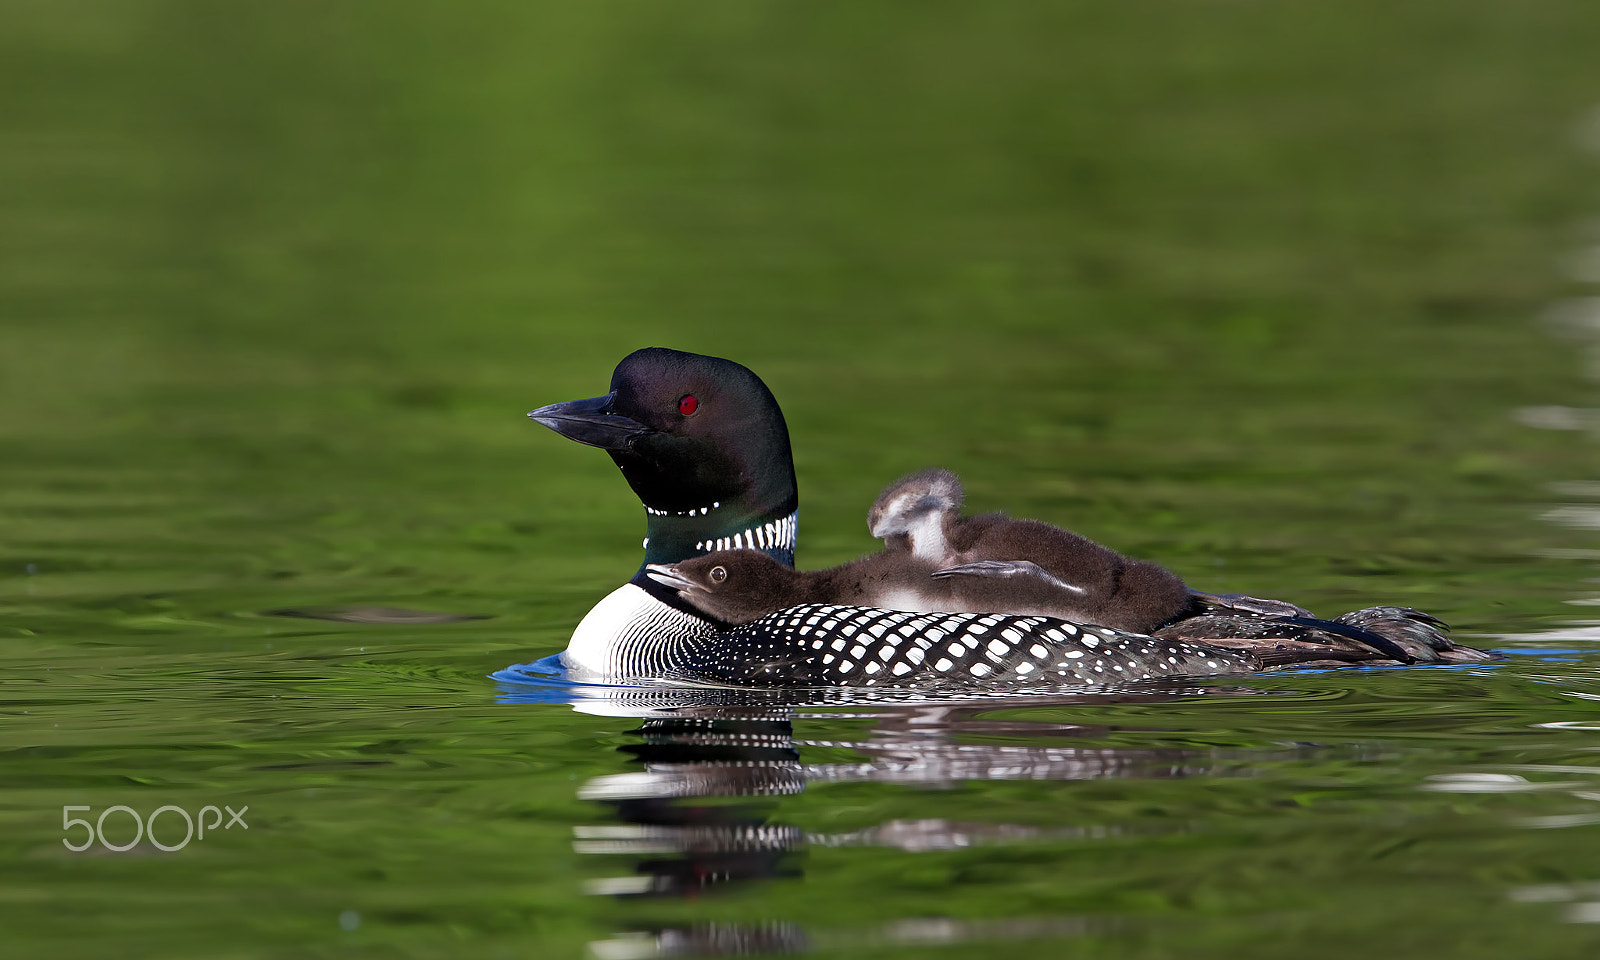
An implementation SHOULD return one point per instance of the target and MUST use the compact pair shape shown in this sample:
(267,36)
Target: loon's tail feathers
(1277,641)
(1372,635)
(1418,634)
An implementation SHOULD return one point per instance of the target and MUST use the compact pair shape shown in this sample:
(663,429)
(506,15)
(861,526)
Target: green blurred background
(1249,288)
(1211,281)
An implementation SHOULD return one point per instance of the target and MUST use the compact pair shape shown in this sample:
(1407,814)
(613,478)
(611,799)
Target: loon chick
(740,586)
(993,557)
(920,513)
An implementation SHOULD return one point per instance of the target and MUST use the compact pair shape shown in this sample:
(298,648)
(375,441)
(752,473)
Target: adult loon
(704,446)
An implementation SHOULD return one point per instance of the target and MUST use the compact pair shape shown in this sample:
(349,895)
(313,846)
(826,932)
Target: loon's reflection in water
(687,847)
(699,749)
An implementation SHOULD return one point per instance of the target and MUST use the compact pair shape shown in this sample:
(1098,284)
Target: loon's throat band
(676,537)
(773,535)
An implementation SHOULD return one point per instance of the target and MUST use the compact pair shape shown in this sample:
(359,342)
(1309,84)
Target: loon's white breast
(630,634)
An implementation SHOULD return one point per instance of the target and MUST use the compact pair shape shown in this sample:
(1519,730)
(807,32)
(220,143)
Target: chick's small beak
(667,574)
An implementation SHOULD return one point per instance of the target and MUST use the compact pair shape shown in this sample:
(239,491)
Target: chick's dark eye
(688,405)
(719,574)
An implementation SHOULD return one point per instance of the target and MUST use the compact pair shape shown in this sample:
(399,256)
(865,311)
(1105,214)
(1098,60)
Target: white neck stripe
(774,534)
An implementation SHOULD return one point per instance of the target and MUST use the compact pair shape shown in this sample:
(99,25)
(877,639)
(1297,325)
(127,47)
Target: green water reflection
(1248,289)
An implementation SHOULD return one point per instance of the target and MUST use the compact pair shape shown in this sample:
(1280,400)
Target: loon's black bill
(590,421)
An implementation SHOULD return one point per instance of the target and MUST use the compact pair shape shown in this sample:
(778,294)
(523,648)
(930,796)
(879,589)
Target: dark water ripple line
(539,682)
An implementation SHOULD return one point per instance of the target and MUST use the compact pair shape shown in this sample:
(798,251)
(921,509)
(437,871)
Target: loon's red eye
(688,405)
(719,574)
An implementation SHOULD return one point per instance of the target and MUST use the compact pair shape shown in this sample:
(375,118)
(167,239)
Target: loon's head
(704,446)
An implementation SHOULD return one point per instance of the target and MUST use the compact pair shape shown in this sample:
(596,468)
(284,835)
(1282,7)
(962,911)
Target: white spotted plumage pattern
(806,646)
